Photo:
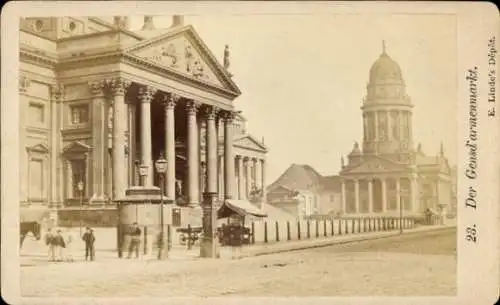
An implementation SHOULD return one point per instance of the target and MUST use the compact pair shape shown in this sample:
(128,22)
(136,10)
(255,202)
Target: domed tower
(387,111)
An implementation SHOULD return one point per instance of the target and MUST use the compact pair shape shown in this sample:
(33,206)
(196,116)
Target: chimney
(148,23)
(177,20)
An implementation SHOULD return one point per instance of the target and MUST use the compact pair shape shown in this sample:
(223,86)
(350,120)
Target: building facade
(303,191)
(99,100)
(387,171)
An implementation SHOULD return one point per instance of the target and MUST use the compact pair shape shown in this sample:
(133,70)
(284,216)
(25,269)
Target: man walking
(135,240)
(49,242)
(89,239)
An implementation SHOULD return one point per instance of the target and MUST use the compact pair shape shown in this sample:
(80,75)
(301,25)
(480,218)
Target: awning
(239,207)
(33,215)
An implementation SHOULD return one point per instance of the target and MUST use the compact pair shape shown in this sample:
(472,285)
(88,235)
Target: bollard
(324,228)
(119,240)
(288,235)
(340,226)
(265,231)
(359,225)
(253,232)
(308,229)
(352,225)
(298,230)
(277,227)
(332,222)
(169,238)
(317,229)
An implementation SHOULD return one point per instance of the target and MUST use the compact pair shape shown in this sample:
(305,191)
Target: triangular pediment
(374,165)
(38,148)
(76,148)
(249,142)
(182,51)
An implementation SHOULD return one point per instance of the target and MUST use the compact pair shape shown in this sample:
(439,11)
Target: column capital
(210,112)
(170,100)
(24,83)
(146,94)
(228,116)
(118,85)
(57,92)
(192,107)
(97,87)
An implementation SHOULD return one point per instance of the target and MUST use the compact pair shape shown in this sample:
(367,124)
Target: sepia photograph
(239,155)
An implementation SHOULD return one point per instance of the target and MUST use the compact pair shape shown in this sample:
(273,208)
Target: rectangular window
(78,171)
(79,114)
(37,114)
(36,179)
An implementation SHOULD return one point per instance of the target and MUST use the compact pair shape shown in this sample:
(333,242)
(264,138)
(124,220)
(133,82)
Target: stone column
(193,151)
(146,94)
(57,95)
(370,196)
(228,156)
(264,180)
(87,175)
(170,101)
(132,115)
(99,141)
(343,194)
(241,190)
(248,177)
(398,194)
(375,118)
(413,194)
(258,173)
(390,136)
(384,195)
(211,150)
(118,87)
(356,195)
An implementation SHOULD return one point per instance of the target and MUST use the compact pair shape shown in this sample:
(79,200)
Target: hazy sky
(303,78)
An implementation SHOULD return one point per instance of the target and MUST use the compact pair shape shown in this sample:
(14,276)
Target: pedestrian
(89,239)
(70,245)
(59,245)
(49,237)
(135,240)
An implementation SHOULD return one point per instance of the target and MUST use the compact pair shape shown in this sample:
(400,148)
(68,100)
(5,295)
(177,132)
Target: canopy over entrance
(239,207)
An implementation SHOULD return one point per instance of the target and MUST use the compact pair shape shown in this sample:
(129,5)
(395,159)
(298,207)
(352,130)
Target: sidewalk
(35,253)
(286,246)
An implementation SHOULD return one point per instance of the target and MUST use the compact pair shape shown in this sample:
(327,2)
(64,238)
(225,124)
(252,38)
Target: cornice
(38,58)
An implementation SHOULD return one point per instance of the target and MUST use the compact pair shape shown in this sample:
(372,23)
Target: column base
(98,200)
(209,246)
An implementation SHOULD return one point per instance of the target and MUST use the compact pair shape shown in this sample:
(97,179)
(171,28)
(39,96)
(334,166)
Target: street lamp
(79,185)
(401,214)
(161,168)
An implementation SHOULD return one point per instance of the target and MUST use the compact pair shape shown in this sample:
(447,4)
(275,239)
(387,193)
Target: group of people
(61,244)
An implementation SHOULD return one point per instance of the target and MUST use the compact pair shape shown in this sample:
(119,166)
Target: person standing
(135,240)
(70,245)
(89,239)
(49,242)
(59,245)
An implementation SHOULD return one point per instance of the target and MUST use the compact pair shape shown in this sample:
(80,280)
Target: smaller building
(302,191)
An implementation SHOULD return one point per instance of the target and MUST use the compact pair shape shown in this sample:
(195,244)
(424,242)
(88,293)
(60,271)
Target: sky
(303,78)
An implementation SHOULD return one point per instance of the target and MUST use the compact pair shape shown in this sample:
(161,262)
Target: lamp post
(161,168)
(401,214)
(79,185)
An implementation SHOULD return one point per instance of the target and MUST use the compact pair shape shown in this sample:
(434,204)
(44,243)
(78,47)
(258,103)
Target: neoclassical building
(98,100)
(387,171)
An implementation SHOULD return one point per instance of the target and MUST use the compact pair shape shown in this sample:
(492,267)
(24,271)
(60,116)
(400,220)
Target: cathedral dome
(385,70)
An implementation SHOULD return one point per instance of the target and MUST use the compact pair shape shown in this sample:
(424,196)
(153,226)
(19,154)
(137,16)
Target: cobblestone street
(418,264)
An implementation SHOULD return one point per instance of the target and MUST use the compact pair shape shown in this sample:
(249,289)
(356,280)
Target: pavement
(35,252)
(420,264)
